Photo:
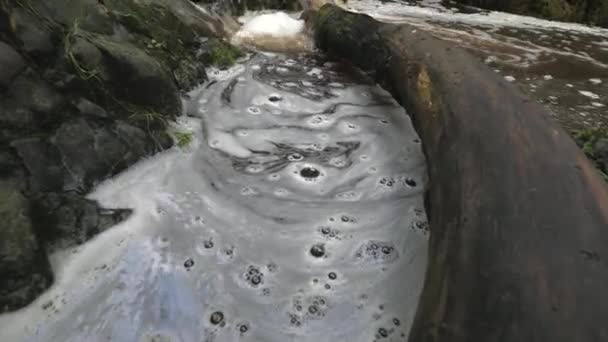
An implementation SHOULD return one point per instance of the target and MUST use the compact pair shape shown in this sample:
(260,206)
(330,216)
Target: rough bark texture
(585,11)
(519,216)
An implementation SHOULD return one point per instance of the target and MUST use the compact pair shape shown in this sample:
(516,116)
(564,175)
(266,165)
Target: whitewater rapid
(295,214)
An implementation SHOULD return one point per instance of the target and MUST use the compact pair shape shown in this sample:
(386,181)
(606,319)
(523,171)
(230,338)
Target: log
(518,215)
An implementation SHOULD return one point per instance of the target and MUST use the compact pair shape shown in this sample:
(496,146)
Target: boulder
(66,219)
(88,88)
(23,265)
(136,77)
(11,64)
(33,37)
(38,96)
(43,163)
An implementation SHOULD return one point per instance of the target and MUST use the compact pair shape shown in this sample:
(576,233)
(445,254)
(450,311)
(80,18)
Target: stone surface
(11,64)
(88,89)
(67,219)
(43,163)
(23,266)
(30,33)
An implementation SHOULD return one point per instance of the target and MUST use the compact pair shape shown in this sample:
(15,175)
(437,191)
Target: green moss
(222,54)
(81,70)
(587,141)
(183,139)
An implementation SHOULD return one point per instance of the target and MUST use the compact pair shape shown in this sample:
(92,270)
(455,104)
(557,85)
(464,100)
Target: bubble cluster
(329,233)
(254,276)
(377,252)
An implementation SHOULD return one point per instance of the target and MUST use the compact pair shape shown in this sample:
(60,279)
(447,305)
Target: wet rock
(43,163)
(85,57)
(13,114)
(33,37)
(38,96)
(11,64)
(594,142)
(24,270)
(9,163)
(88,108)
(90,15)
(601,152)
(87,95)
(67,219)
(136,77)
(92,153)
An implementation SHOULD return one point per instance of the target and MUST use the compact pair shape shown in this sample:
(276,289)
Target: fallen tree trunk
(519,216)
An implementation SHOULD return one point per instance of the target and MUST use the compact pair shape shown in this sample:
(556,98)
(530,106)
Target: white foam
(595,81)
(227,143)
(278,24)
(396,11)
(589,94)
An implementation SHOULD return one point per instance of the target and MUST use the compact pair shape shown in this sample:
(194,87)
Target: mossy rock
(594,142)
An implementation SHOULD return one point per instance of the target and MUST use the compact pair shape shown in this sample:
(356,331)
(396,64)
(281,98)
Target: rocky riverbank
(88,88)
(593,12)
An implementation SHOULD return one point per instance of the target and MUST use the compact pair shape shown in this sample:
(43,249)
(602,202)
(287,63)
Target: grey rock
(35,39)
(43,162)
(37,95)
(9,164)
(88,108)
(24,269)
(601,152)
(14,114)
(11,64)
(92,153)
(137,77)
(67,219)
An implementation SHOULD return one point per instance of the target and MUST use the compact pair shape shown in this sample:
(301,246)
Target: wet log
(519,216)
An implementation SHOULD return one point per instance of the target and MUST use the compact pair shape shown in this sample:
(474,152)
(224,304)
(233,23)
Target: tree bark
(519,216)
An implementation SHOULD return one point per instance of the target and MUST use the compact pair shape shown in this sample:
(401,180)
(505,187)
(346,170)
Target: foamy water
(552,62)
(295,215)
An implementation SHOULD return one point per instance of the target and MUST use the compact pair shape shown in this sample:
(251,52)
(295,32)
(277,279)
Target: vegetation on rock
(88,88)
(594,142)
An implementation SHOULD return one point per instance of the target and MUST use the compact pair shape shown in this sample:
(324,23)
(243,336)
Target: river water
(564,66)
(296,214)
(296,211)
